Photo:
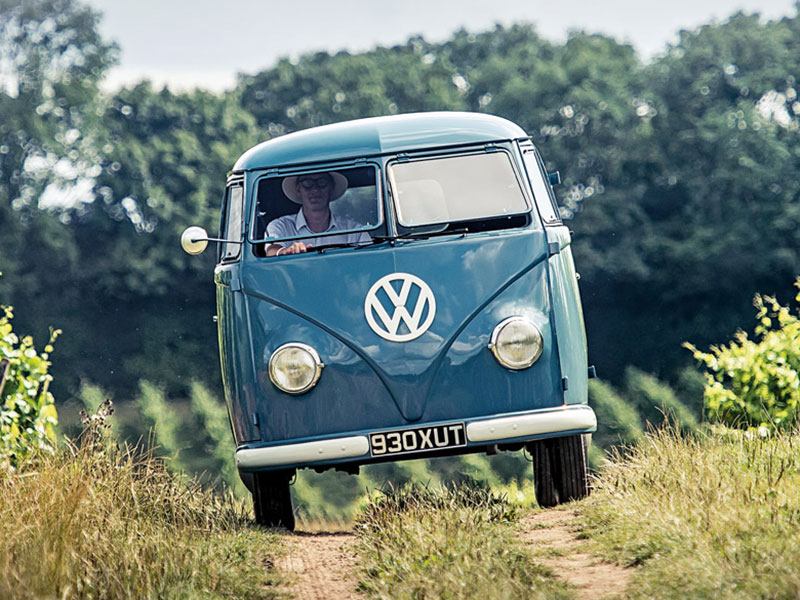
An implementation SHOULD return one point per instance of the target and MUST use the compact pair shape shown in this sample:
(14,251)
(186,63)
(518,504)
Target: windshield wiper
(380,239)
(321,249)
(419,235)
(424,235)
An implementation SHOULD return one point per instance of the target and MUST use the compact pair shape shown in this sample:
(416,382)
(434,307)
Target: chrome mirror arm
(194,240)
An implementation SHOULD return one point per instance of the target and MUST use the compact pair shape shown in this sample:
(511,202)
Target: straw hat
(289,186)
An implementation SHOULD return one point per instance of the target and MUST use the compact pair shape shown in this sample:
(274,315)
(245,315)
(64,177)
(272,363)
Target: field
(709,514)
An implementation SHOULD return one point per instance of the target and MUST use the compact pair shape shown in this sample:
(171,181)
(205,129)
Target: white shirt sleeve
(281,227)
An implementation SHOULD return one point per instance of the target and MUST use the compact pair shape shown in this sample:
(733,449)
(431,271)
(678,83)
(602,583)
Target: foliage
(656,401)
(618,421)
(28,414)
(450,542)
(712,514)
(217,426)
(323,88)
(675,172)
(97,520)
(93,397)
(708,173)
(665,223)
(643,403)
(757,382)
(192,435)
(163,421)
(52,58)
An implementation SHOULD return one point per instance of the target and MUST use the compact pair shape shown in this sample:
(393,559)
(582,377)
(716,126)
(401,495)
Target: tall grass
(707,515)
(450,542)
(96,520)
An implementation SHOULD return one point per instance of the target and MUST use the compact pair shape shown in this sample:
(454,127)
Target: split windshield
(455,189)
(464,193)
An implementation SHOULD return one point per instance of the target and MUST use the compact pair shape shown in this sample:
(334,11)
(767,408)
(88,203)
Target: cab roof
(379,135)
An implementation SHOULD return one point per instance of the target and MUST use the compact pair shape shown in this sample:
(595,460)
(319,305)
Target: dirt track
(323,565)
(320,565)
(556,530)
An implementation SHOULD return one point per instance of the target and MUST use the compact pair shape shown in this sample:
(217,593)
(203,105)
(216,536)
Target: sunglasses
(321,183)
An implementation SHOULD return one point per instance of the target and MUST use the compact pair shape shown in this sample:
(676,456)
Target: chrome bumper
(578,417)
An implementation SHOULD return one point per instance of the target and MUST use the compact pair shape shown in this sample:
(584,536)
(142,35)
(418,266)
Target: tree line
(679,179)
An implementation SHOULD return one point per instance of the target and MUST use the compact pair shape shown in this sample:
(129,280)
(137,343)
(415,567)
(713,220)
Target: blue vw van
(397,288)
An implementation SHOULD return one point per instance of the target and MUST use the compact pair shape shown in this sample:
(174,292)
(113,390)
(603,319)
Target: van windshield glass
(321,207)
(456,188)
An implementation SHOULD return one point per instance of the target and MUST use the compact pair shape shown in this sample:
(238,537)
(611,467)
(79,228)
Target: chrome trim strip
(307,452)
(569,418)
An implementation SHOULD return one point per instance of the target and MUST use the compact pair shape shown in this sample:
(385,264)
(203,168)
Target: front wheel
(272,500)
(560,469)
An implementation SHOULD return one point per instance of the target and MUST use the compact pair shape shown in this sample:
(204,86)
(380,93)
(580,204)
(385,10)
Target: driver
(315,191)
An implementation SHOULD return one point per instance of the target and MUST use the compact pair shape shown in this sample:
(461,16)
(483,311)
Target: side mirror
(194,240)
(554,178)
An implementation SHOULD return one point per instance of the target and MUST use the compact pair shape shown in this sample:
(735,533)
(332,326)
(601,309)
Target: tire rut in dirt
(590,576)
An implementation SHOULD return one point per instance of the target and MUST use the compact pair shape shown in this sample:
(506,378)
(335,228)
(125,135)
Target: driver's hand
(295,248)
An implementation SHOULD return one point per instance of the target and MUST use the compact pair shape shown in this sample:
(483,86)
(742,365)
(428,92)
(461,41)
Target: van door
(232,319)
(567,312)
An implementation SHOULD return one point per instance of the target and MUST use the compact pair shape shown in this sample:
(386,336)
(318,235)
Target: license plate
(419,439)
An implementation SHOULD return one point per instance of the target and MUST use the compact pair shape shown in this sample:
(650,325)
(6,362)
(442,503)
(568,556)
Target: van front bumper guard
(579,418)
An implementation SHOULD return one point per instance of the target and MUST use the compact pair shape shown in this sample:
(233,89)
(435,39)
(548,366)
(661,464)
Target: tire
(272,500)
(560,469)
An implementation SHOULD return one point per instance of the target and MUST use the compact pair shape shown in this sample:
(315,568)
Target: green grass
(451,542)
(707,515)
(99,521)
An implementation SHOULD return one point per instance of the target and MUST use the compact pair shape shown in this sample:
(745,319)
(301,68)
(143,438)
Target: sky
(205,43)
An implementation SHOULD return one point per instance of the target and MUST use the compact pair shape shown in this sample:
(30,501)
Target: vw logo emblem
(388,326)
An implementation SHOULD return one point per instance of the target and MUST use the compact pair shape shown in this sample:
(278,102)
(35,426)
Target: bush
(753,383)
(27,412)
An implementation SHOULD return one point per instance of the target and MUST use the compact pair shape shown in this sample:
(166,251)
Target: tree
(322,88)
(704,214)
(51,59)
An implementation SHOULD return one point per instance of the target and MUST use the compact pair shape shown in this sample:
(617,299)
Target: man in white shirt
(315,191)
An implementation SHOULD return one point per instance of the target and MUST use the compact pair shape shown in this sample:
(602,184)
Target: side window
(541,192)
(232,223)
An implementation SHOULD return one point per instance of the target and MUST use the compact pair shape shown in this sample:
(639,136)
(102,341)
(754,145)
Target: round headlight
(516,343)
(295,368)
